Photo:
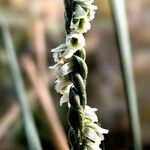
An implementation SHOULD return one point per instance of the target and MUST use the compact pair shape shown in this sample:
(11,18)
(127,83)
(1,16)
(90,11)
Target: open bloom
(80,25)
(74,42)
(93,131)
(90,10)
(60,48)
(62,84)
(65,96)
(58,53)
(61,70)
(79,12)
(90,113)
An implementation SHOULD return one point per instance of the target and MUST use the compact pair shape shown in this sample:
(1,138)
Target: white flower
(79,22)
(62,70)
(96,138)
(75,41)
(62,83)
(92,135)
(57,53)
(79,12)
(90,113)
(58,57)
(93,131)
(60,48)
(81,26)
(65,96)
(90,10)
(66,68)
(92,146)
(97,129)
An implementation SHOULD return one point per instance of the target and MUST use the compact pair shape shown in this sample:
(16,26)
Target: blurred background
(37,26)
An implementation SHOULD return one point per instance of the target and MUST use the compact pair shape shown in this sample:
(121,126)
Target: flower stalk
(71,73)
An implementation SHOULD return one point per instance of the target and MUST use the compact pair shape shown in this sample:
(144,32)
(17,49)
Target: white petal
(90,113)
(62,70)
(91,134)
(74,25)
(69,53)
(91,15)
(79,43)
(53,67)
(64,98)
(93,147)
(93,7)
(66,68)
(82,26)
(97,128)
(60,48)
(88,26)
(79,12)
(104,131)
(62,85)
(58,58)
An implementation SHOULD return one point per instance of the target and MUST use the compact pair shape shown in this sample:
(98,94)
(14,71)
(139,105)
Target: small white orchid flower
(75,41)
(58,58)
(97,129)
(90,10)
(62,84)
(95,138)
(92,146)
(79,12)
(92,135)
(62,70)
(90,113)
(65,96)
(81,26)
(79,22)
(57,53)
(60,48)
(66,69)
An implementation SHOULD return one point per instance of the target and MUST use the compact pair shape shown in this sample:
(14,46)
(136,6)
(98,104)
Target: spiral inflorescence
(71,73)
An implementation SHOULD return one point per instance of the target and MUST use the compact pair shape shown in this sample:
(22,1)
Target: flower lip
(82,23)
(74,41)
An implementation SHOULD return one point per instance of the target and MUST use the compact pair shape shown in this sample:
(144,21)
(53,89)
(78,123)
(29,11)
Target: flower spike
(71,73)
